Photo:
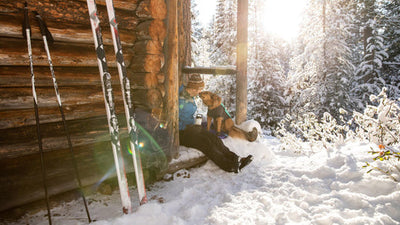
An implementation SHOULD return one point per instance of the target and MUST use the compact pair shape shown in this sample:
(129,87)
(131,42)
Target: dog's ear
(216,99)
(203,95)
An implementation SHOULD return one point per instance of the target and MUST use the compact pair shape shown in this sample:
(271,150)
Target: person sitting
(194,136)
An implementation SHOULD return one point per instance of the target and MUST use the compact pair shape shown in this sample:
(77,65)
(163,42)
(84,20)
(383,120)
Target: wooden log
(13,52)
(55,129)
(10,26)
(68,12)
(145,100)
(154,98)
(127,5)
(21,98)
(20,76)
(221,70)
(148,63)
(152,9)
(191,162)
(25,117)
(161,78)
(22,141)
(94,160)
(151,30)
(184,37)
(144,80)
(152,47)
(172,79)
(241,64)
(151,80)
(162,90)
(51,144)
(21,179)
(95,164)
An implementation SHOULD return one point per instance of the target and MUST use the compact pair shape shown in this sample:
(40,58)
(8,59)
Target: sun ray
(282,17)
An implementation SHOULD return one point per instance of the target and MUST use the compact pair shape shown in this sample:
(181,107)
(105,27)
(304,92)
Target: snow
(278,187)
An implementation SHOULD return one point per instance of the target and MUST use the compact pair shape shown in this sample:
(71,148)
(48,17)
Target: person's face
(194,91)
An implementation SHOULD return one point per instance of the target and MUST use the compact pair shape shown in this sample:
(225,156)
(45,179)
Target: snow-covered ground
(278,187)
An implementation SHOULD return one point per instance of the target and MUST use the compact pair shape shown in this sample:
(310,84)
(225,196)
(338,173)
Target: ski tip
(25,23)
(43,28)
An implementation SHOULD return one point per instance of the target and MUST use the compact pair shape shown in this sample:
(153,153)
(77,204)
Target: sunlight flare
(282,17)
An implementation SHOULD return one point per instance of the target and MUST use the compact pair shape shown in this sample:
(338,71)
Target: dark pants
(196,137)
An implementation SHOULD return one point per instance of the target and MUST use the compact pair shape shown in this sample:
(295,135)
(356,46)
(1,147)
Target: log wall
(142,32)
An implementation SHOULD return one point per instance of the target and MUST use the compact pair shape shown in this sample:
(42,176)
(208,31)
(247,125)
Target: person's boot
(252,135)
(245,161)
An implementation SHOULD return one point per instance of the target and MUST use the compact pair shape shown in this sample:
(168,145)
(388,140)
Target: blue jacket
(187,109)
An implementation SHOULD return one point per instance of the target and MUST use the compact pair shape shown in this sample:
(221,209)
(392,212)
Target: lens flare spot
(129,150)
(141,144)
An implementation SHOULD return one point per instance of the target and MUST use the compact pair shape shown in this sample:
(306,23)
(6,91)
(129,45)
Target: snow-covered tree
(223,53)
(321,69)
(202,35)
(197,34)
(267,70)
(390,20)
(338,68)
(369,77)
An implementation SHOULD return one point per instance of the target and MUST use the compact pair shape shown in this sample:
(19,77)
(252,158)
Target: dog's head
(210,99)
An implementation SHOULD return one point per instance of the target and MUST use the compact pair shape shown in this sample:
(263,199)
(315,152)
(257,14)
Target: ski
(129,113)
(110,107)
(47,38)
(26,32)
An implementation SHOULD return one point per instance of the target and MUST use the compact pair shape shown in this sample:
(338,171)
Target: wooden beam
(184,38)
(13,53)
(19,76)
(221,70)
(171,81)
(241,76)
(10,26)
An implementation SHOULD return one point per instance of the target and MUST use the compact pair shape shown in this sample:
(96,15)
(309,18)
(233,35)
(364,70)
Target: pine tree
(338,67)
(267,70)
(368,77)
(224,51)
(197,36)
(390,20)
(321,69)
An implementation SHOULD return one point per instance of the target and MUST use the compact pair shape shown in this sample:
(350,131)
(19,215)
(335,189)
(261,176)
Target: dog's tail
(250,136)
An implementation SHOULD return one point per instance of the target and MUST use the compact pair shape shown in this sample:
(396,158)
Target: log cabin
(155,36)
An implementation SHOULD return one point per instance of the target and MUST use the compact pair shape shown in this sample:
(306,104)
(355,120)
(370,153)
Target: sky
(318,187)
(283,17)
(280,17)
(206,10)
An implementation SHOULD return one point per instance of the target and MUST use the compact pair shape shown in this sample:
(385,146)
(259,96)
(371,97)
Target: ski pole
(46,35)
(125,88)
(110,107)
(27,34)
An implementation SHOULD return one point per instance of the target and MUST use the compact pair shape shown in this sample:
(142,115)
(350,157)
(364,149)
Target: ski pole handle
(43,28)
(26,24)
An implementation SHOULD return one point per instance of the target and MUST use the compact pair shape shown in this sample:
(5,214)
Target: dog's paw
(221,135)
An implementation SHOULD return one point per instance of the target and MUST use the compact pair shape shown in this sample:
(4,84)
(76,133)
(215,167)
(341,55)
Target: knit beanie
(195,81)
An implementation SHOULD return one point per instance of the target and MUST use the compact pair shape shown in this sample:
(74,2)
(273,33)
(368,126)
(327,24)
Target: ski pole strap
(26,24)
(226,110)
(43,28)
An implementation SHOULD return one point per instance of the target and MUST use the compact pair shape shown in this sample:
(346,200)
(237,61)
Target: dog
(222,120)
